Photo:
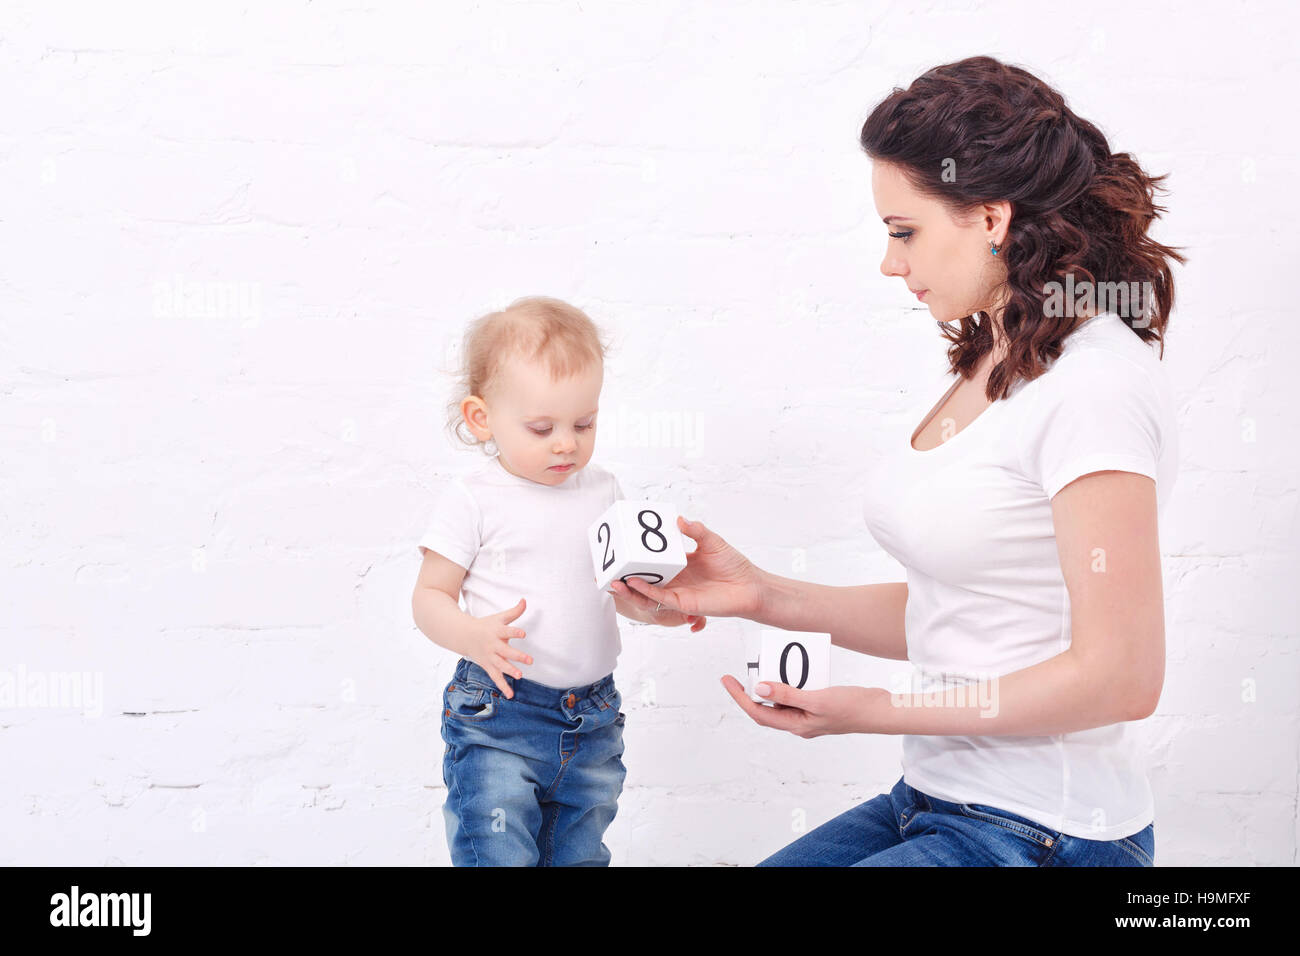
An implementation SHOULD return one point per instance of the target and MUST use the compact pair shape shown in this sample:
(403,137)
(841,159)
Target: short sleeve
(454,528)
(1098,412)
(618,491)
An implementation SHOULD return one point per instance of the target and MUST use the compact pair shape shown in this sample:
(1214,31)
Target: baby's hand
(490,648)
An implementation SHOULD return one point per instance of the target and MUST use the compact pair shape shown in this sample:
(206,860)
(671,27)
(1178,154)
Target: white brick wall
(214,513)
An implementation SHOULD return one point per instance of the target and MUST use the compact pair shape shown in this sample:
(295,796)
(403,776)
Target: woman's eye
(902,235)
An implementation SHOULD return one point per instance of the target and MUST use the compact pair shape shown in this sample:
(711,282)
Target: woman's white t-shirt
(518,538)
(971,522)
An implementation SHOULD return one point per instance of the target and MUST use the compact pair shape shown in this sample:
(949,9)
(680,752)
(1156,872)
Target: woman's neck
(1000,342)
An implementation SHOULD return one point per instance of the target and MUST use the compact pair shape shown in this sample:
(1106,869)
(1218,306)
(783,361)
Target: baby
(533,765)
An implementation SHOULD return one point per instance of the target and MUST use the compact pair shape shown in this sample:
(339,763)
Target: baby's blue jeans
(906,827)
(532,780)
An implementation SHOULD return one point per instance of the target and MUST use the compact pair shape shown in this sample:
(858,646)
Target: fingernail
(762,690)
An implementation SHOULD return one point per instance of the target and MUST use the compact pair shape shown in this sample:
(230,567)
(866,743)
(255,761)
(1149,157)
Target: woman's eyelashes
(903,235)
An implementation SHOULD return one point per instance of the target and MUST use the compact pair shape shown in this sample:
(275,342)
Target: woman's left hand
(812,713)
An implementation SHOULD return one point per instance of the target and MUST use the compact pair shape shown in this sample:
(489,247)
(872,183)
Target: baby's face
(539,424)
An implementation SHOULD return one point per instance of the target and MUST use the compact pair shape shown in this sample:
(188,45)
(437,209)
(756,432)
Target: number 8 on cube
(636,539)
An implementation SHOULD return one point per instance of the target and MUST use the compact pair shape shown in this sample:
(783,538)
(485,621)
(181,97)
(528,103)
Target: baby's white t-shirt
(518,538)
(971,522)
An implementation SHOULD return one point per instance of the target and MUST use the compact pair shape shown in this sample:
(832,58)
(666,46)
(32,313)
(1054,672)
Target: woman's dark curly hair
(1076,207)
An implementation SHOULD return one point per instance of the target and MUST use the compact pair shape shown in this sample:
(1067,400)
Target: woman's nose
(890,266)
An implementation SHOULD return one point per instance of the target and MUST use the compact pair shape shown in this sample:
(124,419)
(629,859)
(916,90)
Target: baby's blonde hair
(536,328)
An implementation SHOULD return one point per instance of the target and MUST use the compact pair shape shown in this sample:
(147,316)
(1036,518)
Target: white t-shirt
(971,521)
(521,539)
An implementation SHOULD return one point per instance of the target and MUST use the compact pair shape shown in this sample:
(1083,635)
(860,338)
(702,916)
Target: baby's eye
(546,431)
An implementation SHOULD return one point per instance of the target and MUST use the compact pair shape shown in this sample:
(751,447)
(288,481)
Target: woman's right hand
(717,581)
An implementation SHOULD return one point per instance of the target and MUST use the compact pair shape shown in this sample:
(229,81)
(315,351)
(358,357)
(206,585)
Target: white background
(240,245)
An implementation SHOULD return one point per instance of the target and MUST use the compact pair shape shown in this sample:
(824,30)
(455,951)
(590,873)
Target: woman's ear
(997,220)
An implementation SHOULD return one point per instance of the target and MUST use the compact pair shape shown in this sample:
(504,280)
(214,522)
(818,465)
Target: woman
(1024,508)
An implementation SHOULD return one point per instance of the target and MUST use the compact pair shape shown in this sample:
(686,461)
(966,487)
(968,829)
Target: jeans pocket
(1141,845)
(475,678)
(1014,822)
(469,703)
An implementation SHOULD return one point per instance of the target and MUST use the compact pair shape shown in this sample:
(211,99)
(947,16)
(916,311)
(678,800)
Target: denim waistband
(600,694)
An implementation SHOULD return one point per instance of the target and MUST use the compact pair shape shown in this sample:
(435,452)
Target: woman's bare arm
(867,618)
(718,580)
(1107,539)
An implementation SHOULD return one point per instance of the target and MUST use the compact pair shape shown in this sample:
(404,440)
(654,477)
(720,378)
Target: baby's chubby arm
(483,640)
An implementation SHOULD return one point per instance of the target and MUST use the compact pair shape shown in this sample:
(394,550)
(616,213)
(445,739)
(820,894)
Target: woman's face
(949,262)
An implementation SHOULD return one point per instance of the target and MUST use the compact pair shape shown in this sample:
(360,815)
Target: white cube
(801,659)
(636,539)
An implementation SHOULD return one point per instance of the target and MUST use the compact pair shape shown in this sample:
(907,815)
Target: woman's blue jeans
(534,779)
(906,827)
